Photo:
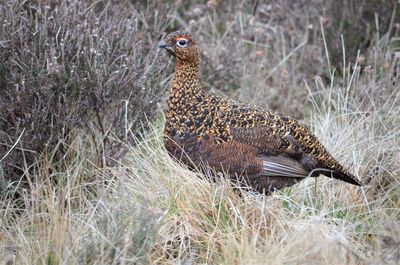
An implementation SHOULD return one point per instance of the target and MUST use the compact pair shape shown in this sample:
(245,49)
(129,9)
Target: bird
(263,150)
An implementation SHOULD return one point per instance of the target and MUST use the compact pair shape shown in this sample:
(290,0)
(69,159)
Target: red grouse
(264,150)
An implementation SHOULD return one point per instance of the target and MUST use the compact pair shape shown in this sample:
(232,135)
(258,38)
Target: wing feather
(283,166)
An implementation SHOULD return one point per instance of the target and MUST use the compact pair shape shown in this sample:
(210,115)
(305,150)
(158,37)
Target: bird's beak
(162,44)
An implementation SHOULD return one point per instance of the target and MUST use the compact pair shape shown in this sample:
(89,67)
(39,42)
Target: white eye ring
(182,43)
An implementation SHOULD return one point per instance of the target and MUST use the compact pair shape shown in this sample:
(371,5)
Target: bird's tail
(346,177)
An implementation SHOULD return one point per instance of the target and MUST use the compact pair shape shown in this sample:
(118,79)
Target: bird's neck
(184,87)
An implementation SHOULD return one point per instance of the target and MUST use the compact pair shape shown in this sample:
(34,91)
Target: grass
(149,209)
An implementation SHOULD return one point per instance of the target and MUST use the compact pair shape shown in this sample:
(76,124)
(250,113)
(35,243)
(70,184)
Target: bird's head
(181,45)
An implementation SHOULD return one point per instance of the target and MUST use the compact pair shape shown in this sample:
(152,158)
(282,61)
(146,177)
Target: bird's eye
(182,43)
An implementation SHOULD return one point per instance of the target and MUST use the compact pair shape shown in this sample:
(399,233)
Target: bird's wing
(278,158)
(283,166)
(266,140)
(284,155)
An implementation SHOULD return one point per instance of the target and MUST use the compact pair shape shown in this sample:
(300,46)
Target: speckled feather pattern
(229,135)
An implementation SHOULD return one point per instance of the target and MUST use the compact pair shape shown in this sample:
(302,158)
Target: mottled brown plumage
(265,150)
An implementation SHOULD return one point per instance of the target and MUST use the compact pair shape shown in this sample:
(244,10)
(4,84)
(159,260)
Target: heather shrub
(75,65)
